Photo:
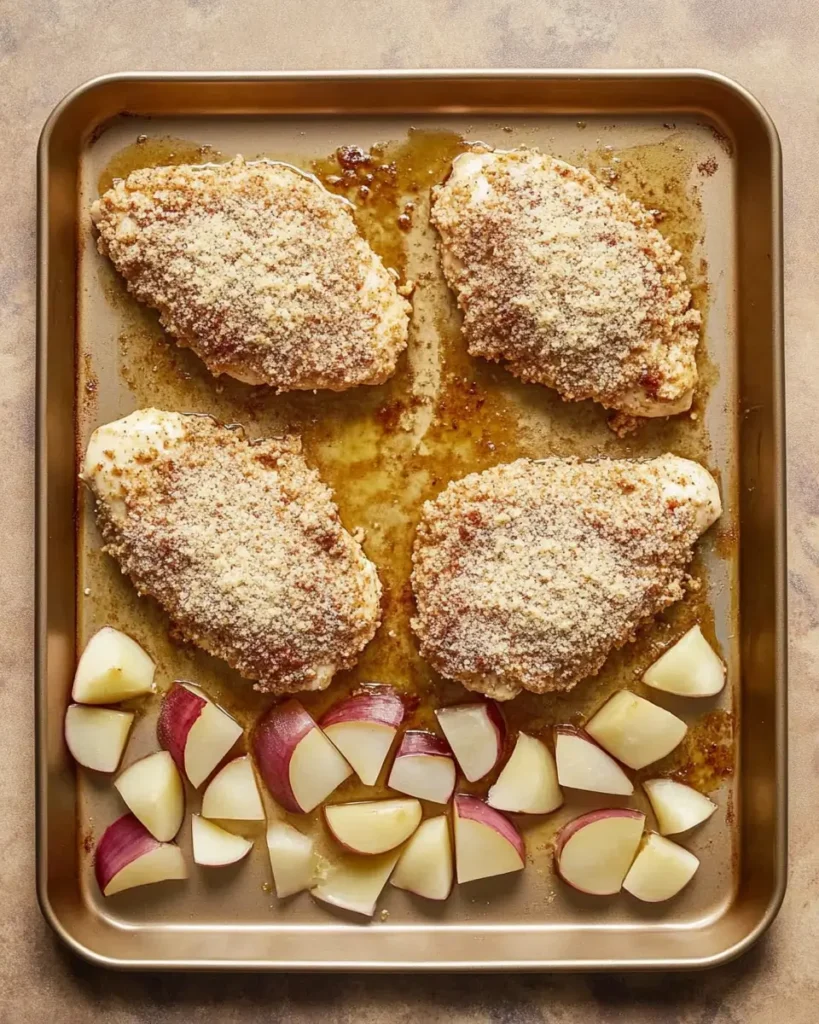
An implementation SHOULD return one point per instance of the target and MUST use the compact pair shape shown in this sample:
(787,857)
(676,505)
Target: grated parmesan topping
(568,281)
(259,270)
(239,541)
(527,575)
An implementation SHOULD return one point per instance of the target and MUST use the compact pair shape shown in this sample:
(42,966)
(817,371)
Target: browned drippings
(384,450)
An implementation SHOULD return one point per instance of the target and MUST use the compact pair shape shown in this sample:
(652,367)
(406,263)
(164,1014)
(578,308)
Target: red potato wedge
(128,855)
(423,767)
(677,807)
(476,733)
(486,842)
(594,852)
(355,883)
(363,728)
(196,732)
(299,765)
(689,668)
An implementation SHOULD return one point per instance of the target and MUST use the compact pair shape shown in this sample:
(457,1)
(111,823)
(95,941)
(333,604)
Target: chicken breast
(239,541)
(528,575)
(259,270)
(567,281)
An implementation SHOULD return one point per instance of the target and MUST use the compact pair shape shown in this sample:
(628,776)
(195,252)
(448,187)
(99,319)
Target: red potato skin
(274,739)
(382,704)
(122,842)
(180,709)
(471,808)
(417,741)
(573,826)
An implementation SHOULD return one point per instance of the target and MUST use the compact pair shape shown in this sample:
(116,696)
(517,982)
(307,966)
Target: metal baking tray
(692,144)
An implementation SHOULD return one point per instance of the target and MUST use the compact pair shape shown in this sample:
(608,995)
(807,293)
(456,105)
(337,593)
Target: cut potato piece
(195,731)
(373,826)
(363,727)
(486,842)
(96,736)
(690,668)
(128,855)
(355,883)
(528,782)
(291,858)
(153,791)
(660,870)
(475,732)
(677,807)
(594,852)
(215,847)
(634,730)
(113,667)
(425,866)
(232,794)
(299,765)
(423,767)
(581,764)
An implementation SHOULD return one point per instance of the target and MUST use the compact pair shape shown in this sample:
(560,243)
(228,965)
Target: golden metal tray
(689,143)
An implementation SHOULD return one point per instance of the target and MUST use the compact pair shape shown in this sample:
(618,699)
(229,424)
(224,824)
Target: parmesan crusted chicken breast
(528,575)
(258,269)
(567,281)
(239,541)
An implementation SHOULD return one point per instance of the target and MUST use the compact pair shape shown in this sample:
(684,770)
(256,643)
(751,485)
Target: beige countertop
(49,46)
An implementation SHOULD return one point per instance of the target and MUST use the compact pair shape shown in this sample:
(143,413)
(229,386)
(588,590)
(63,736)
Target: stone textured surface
(49,46)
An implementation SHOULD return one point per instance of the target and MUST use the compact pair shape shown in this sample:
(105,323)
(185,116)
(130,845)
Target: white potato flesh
(291,858)
(373,826)
(233,794)
(595,851)
(209,739)
(634,730)
(660,870)
(528,783)
(425,865)
(365,746)
(354,883)
(214,846)
(486,842)
(690,668)
(113,667)
(475,734)
(316,769)
(677,807)
(582,764)
(153,791)
(97,736)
